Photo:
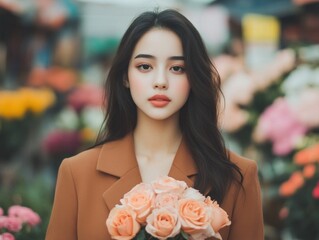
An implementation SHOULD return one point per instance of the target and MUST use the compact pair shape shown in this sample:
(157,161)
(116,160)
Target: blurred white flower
(306,107)
(240,87)
(92,117)
(303,76)
(315,80)
(192,193)
(67,119)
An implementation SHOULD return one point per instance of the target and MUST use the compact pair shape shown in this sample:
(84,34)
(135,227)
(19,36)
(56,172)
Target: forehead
(159,41)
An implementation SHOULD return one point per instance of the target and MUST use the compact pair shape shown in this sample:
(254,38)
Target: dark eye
(178,69)
(144,67)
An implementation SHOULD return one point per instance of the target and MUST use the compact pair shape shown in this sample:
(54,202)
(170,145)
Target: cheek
(184,88)
(135,83)
(136,86)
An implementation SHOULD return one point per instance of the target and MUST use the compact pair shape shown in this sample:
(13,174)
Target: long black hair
(198,117)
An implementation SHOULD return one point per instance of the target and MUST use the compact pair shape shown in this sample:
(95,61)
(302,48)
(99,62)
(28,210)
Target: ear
(126,82)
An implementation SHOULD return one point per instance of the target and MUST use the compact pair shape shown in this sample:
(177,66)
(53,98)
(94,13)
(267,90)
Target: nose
(160,80)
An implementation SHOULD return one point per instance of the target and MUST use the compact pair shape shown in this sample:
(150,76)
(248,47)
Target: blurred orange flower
(289,187)
(309,171)
(60,79)
(307,155)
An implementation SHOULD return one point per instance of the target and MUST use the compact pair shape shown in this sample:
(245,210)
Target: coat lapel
(183,166)
(118,159)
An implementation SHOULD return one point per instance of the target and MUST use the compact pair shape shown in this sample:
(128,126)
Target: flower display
(19,221)
(20,109)
(301,191)
(76,125)
(166,208)
(277,124)
(241,85)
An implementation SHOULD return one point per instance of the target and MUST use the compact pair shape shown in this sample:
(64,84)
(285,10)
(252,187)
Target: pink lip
(159,100)
(158,97)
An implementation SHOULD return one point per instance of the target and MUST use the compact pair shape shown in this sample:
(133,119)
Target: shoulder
(244,164)
(83,159)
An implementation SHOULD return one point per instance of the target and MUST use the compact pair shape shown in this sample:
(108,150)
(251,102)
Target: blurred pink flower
(18,216)
(1,211)
(51,13)
(86,95)
(233,118)
(303,2)
(62,142)
(279,124)
(13,6)
(25,214)
(13,224)
(315,191)
(283,213)
(226,65)
(6,236)
(238,90)
(3,220)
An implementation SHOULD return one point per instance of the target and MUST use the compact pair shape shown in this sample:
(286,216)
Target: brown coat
(92,182)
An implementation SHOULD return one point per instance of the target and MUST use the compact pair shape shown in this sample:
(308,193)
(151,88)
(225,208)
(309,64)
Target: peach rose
(219,217)
(195,218)
(141,199)
(193,193)
(122,224)
(163,223)
(168,184)
(166,199)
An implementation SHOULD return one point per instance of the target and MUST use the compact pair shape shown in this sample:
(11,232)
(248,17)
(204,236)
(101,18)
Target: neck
(157,136)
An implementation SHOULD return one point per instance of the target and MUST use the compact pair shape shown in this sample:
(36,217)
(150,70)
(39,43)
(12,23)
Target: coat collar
(118,159)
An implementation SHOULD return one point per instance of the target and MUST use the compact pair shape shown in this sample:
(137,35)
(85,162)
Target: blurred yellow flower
(87,134)
(37,100)
(14,104)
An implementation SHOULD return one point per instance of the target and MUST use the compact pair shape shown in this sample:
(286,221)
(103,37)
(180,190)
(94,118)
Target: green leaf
(184,234)
(141,235)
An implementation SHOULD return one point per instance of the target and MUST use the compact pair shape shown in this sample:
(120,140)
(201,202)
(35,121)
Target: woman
(162,119)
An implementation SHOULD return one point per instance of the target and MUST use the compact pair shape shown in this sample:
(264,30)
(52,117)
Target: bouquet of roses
(166,209)
(18,220)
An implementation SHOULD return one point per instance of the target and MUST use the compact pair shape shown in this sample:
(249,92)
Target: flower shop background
(54,56)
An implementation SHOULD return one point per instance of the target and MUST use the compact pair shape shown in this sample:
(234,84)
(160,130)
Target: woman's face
(157,79)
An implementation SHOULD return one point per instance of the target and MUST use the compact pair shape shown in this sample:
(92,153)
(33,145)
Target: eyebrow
(153,57)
